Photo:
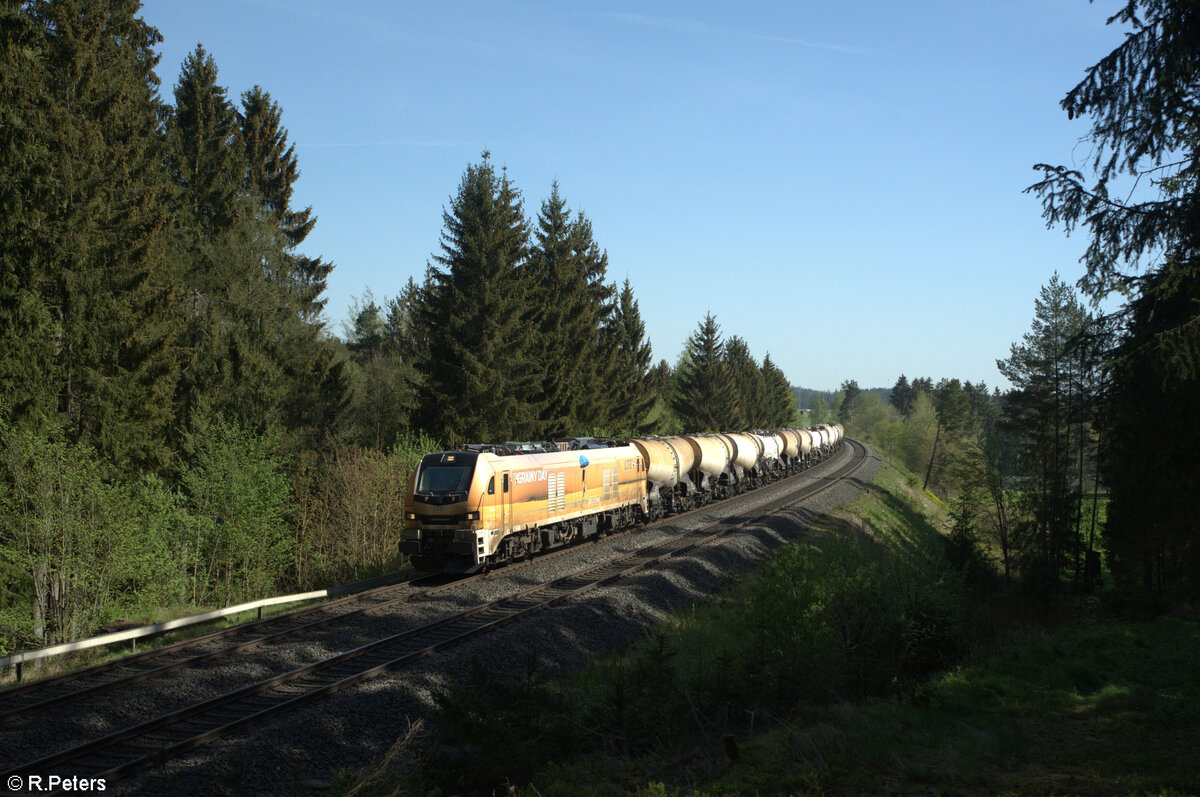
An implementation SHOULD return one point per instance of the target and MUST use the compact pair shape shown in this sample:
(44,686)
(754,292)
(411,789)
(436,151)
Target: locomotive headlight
(472,516)
(411,515)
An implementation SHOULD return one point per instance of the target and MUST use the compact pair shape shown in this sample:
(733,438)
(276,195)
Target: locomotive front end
(442,512)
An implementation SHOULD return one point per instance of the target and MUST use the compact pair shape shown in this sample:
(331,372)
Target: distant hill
(804,395)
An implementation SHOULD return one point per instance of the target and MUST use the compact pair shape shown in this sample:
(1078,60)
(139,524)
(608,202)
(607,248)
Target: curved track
(174,733)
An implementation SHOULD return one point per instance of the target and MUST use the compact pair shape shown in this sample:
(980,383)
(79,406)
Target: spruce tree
(748,382)
(598,411)
(206,155)
(1039,411)
(780,401)
(272,168)
(851,393)
(478,383)
(903,395)
(565,320)
(1153,478)
(1143,99)
(251,328)
(633,383)
(706,397)
(98,255)
(28,122)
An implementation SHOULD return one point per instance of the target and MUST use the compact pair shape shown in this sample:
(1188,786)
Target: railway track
(171,734)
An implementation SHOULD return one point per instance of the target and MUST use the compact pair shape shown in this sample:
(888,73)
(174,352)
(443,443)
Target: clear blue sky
(794,168)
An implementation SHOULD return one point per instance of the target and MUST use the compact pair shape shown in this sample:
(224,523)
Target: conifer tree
(1039,412)
(748,382)
(251,312)
(598,410)
(706,398)
(478,383)
(1143,99)
(97,254)
(1154,479)
(903,395)
(780,401)
(851,393)
(633,381)
(206,155)
(271,170)
(565,317)
(28,119)
(403,324)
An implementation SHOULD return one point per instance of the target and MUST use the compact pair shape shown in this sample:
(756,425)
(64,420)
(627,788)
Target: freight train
(485,505)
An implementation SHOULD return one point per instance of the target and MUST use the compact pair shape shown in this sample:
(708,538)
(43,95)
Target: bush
(239,500)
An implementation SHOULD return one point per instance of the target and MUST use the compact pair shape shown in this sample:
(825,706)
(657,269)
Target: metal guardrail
(18,660)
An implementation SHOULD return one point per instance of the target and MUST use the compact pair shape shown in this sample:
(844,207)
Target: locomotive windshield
(446,473)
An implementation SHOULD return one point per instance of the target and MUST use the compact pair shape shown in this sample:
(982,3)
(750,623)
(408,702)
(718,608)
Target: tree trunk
(937,434)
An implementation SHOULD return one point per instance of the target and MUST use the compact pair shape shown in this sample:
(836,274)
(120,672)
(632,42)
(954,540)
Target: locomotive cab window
(505,487)
(492,486)
(446,473)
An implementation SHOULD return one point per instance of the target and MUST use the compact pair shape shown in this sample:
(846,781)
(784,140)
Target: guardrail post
(19,671)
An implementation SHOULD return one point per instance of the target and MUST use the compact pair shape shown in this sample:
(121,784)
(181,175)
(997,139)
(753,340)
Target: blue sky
(838,183)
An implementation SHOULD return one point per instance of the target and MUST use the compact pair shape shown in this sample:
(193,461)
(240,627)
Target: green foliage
(915,442)
(636,389)
(1143,102)
(498,730)
(873,419)
(747,378)
(850,396)
(1049,371)
(779,404)
(569,302)
(349,503)
(1154,480)
(818,410)
(480,385)
(82,266)
(81,550)
(239,499)
(706,396)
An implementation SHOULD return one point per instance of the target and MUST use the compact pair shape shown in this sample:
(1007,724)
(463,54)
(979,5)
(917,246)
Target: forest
(179,425)
(181,428)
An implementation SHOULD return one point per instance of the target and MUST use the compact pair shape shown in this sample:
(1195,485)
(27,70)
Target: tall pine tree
(632,383)
(779,400)
(271,172)
(706,397)
(1143,99)
(28,131)
(98,251)
(479,384)
(567,317)
(748,382)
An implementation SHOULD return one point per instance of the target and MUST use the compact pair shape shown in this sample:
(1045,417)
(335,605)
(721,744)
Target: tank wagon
(486,505)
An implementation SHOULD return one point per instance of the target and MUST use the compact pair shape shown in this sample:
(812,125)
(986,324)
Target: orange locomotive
(472,508)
